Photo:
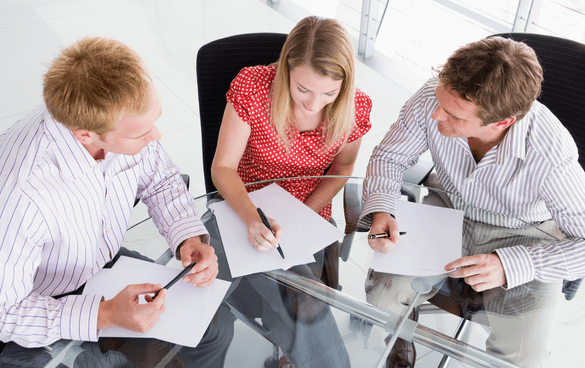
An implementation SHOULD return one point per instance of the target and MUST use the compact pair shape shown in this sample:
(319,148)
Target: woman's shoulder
(363,102)
(250,80)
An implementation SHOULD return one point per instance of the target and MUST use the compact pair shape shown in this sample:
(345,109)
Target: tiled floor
(168,33)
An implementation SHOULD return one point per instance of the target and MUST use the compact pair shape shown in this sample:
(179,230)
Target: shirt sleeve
(29,318)
(243,91)
(564,195)
(399,150)
(363,108)
(169,202)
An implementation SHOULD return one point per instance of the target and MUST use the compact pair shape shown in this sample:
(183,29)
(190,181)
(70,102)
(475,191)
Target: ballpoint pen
(177,278)
(267,224)
(383,235)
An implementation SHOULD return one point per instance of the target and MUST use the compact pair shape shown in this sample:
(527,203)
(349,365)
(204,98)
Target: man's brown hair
(501,76)
(94,82)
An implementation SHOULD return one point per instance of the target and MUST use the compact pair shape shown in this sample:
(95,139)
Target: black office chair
(218,63)
(563,92)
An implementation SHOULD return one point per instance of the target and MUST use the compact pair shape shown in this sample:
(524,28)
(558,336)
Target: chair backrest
(218,63)
(563,89)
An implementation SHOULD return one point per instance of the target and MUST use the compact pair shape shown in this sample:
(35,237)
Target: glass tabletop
(304,317)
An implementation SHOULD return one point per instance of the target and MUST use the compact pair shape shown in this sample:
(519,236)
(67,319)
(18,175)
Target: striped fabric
(63,216)
(532,175)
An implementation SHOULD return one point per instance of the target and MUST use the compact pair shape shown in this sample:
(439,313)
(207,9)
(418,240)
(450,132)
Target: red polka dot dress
(264,157)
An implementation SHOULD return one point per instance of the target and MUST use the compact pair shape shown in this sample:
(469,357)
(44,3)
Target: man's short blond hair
(94,82)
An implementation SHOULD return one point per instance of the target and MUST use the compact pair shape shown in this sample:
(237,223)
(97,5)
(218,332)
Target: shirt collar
(514,142)
(72,157)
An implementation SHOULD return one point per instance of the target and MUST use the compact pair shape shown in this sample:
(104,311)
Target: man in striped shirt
(70,173)
(498,149)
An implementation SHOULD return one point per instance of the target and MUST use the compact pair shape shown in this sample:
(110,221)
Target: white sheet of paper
(432,240)
(189,309)
(304,232)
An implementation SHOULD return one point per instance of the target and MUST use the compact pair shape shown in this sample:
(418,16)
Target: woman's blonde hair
(324,46)
(94,82)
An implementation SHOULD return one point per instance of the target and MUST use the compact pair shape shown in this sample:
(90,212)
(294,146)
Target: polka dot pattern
(265,157)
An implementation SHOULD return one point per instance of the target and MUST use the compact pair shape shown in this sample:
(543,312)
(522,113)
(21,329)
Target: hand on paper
(261,238)
(382,222)
(481,271)
(206,269)
(124,309)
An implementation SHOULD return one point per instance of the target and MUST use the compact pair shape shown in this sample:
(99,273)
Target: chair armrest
(352,206)
(570,288)
(418,173)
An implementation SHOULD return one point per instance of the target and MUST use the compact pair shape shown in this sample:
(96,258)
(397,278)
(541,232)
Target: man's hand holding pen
(384,223)
(206,268)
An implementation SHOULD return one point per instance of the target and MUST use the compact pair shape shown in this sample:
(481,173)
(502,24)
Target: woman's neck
(308,123)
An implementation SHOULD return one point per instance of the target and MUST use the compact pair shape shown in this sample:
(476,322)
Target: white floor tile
(17,13)
(184,85)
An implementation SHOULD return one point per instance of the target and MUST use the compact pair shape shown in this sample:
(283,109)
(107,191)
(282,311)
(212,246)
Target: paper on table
(432,240)
(189,309)
(304,232)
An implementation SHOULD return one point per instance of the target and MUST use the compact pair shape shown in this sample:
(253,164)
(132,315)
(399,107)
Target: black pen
(383,235)
(174,281)
(265,222)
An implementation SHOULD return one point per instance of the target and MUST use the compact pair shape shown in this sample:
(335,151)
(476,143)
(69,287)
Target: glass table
(302,299)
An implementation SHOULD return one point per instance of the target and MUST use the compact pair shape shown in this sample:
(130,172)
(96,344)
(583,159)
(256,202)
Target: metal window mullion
(521,18)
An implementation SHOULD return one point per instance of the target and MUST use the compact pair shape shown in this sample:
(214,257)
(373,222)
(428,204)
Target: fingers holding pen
(384,234)
(262,238)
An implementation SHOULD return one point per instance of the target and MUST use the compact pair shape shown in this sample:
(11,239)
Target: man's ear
(83,136)
(504,124)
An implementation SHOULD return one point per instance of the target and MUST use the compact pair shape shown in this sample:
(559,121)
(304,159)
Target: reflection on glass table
(294,312)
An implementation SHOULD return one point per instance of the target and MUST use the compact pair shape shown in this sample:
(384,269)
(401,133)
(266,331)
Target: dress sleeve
(363,107)
(243,91)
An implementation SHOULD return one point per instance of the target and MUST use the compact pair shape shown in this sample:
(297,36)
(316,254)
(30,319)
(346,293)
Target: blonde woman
(294,118)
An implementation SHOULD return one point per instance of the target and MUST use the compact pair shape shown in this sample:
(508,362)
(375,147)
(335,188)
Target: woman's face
(311,92)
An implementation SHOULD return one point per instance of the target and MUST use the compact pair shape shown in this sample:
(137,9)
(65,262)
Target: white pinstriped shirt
(533,174)
(63,217)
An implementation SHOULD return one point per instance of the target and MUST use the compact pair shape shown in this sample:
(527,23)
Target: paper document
(304,232)
(432,240)
(189,309)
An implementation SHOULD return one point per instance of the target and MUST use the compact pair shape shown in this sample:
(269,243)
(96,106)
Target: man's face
(132,133)
(457,117)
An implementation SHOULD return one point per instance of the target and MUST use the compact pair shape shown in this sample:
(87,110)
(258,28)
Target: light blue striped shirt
(63,216)
(533,175)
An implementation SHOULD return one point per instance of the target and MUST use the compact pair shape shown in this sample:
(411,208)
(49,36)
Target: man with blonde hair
(498,149)
(70,173)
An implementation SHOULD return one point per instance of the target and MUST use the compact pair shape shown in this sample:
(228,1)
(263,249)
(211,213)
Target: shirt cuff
(79,315)
(377,202)
(185,229)
(518,266)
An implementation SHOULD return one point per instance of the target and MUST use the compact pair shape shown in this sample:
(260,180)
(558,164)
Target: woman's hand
(261,238)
